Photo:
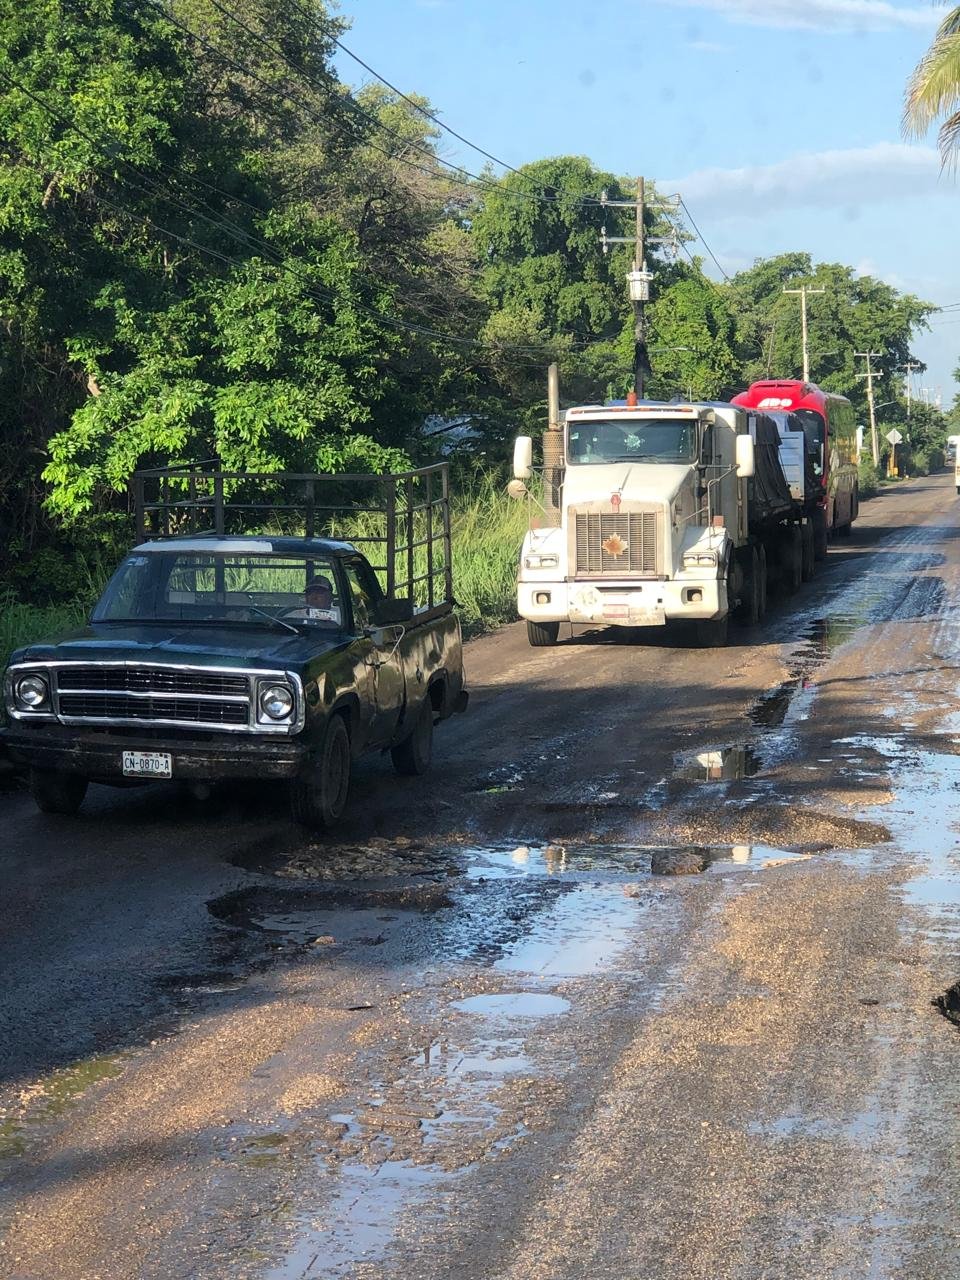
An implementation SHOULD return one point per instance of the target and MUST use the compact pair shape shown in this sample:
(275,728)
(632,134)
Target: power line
(699,233)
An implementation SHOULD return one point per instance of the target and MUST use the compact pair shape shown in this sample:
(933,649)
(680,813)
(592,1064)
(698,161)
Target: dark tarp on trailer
(768,494)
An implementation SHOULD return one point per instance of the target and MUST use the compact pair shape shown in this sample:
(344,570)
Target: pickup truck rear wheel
(542,634)
(319,796)
(56,792)
(411,757)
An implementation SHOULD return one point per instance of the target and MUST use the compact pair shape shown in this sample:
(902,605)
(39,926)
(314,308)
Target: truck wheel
(809,552)
(713,633)
(319,796)
(56,792)
(748,611)
(411,757)
(542,634)
(820,534)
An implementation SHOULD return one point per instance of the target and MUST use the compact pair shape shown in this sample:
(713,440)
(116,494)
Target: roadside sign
(894,436)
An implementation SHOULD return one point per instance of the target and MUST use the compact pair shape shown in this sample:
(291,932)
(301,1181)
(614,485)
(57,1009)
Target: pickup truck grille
(113,706)
(634,531)
(145,695)
(151,680)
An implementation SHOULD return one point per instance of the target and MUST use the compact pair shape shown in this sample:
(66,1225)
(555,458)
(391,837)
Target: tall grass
(22,624)
(487,530)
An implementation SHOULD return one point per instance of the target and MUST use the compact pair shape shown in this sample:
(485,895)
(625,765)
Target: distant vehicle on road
(222,655)
(829,422)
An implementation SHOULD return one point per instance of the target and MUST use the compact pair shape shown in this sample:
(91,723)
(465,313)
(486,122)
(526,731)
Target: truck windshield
(204,587)
(649,440)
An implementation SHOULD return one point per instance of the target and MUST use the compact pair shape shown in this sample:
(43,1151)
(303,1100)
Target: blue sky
(728,101)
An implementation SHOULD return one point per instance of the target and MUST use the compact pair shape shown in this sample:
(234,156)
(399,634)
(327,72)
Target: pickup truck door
(381,650)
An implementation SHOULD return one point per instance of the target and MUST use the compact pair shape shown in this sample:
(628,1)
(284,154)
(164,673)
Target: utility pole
(908,369)
(639,278)
(641,361)
(874,440)
(803,291)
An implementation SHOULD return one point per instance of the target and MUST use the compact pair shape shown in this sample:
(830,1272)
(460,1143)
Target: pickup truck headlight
(700,560)
(276,702)
(31,693)
(541,562)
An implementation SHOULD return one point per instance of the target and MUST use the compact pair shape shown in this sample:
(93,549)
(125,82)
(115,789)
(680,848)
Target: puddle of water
(610,863)
(359,1223)
(925,783)
(515,1004)
(484,1058)
(723,764)
(583,932)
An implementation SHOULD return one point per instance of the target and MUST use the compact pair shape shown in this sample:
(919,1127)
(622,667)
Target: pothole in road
(614,862)
(322,917)
(514,1004)
(720,764)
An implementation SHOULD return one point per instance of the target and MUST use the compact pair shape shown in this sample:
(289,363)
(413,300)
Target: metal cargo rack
(401,521)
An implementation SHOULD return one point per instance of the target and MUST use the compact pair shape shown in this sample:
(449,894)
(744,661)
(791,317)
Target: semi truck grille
(630,538)
(153,694)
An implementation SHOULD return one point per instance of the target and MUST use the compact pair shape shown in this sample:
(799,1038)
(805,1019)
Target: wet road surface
(641,981)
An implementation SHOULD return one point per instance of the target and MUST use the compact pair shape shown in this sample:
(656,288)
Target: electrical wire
(699,233)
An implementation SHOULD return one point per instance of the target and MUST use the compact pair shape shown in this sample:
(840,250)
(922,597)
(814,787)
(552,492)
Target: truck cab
(645,508)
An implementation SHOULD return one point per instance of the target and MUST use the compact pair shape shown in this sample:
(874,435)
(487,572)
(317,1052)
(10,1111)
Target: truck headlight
(31,693)
(541,562)
(700,560)
(276,702)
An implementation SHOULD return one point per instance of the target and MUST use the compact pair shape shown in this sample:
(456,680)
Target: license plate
(147,764)
(616,611)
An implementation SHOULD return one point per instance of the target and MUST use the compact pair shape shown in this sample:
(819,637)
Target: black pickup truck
(217,656)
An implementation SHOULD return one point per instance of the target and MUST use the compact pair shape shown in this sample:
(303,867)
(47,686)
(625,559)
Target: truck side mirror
(522,458)
(746,457)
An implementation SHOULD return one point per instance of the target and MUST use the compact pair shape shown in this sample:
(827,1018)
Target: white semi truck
(661,513)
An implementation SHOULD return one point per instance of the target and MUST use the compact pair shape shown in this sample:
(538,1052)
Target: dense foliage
(210,247)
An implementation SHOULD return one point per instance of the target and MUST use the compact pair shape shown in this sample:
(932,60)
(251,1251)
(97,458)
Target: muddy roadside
(491,1032)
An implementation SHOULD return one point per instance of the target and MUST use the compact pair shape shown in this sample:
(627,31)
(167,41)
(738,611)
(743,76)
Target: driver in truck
(318,602)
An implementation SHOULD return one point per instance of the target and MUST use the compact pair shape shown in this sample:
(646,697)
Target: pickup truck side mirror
(389,613)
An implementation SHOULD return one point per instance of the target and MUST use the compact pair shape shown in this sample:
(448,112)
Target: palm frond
(948,140)
(934,86)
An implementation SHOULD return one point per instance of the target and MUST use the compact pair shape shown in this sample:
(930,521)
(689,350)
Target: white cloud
(886,171)
(819,15)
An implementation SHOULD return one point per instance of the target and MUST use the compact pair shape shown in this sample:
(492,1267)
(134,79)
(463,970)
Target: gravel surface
(641,980)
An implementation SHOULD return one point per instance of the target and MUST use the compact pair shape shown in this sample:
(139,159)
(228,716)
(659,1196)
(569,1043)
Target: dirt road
(638,983)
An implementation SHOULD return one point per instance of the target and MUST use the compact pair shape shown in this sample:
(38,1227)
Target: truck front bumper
(98,755)
(631,604)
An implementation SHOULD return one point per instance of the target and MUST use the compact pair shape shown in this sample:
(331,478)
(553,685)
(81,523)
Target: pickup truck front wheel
(56,792)
(319,796)
(411,757)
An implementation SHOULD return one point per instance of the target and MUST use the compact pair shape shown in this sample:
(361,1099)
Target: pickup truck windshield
(204,587)
(652,440)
